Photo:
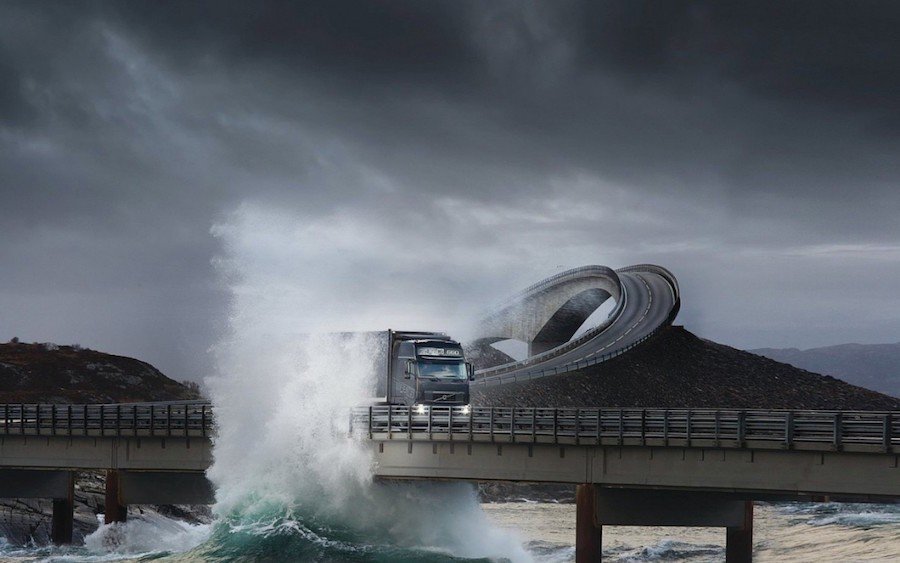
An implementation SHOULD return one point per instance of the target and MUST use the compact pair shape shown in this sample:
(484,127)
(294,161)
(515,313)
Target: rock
(27,521)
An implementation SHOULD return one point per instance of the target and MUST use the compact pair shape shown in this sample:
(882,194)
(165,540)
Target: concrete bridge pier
(588,535)
(63,519)
(153,487)
(597,506)
(57,485)
(114,509)
(739,539)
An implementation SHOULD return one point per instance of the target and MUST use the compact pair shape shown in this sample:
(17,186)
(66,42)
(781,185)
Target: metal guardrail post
(430,436)
(688,428)
(491,427)
(789,430)
(168,420)
(512,425)
(741,431)
(621,439)
(69,420)
(838,431)
(102,421)
(555,426)
(186,421)
(643,427)
(718,427)
(203,421)
(152,420)
(37,419)
(134,420)
(533,425)
(118,420)
(471,415)
(666,427)
(390,423)
(577,427)
(369,422)
(888,432)
(409,422)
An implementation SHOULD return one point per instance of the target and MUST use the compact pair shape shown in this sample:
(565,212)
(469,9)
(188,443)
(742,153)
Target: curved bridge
(547,315)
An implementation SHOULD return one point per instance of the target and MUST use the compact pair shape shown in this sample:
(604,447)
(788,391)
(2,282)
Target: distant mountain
(47,373)
(873,366)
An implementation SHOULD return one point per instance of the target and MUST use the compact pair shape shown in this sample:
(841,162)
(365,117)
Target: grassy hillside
(46,373)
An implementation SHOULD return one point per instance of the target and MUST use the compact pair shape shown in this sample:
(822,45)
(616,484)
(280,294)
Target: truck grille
(448,398)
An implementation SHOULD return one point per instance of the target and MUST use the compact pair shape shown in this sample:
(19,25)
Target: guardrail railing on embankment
(172,419)
(506,373)
(750,429)
(513,377)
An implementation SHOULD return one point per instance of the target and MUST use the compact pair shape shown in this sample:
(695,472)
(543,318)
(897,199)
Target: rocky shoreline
(27,521)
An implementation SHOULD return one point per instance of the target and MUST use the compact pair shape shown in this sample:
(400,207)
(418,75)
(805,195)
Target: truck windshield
(443,370)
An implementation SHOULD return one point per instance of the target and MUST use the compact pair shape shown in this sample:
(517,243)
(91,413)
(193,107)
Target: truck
(421,368)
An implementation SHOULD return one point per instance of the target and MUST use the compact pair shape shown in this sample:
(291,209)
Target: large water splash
(286,470)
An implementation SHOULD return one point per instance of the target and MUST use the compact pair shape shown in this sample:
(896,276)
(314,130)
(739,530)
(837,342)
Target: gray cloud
(752,149)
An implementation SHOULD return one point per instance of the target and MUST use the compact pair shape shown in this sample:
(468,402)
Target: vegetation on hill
(47,373)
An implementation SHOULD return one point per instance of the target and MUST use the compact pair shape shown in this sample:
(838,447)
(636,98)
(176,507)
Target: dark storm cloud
(704,135)
(816,52)
(370,38)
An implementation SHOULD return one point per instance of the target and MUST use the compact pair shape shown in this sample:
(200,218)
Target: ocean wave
(842,514)
(669,550)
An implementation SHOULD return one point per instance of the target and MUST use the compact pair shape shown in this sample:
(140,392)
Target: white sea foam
(145,533)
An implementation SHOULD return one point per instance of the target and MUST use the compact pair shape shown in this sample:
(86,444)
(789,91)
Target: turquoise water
(785,532)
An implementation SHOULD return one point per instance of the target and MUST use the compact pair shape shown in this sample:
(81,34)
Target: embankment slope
(677,369)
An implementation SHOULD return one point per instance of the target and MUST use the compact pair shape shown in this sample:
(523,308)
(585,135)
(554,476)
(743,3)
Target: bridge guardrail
(500,379)
(179,418)
(745,429)
(573,273)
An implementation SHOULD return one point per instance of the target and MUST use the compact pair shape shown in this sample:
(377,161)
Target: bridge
(695,467)
(152,453)
(662,467)
(547,315)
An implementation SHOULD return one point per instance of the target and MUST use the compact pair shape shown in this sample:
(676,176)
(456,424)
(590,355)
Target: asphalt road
(648,302)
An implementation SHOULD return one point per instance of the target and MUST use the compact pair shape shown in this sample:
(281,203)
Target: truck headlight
(420,409)
(466,410)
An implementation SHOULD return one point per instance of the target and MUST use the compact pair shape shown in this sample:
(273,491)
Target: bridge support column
(114,509)
(588,535)
(739,539)
(648,507)
(62,522)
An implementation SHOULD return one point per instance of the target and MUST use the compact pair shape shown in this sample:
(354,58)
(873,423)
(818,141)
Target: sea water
(800,532)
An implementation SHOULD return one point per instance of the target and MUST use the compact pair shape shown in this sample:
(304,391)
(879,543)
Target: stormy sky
(159,158)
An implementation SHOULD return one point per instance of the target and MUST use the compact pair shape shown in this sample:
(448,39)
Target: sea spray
(291,481)
(146,534)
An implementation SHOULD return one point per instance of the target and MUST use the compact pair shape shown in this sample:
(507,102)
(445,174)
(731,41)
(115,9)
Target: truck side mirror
(471,371)
(410,369)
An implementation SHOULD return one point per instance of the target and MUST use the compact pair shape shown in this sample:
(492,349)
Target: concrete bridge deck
(684,467)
